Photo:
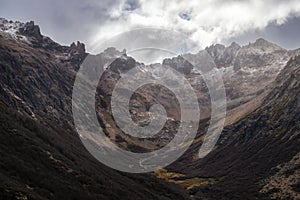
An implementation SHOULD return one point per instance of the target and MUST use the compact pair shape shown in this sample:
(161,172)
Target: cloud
(63,21)
(206,22)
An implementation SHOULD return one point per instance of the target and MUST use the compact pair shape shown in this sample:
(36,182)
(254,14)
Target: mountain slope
(42,156)
(252,152)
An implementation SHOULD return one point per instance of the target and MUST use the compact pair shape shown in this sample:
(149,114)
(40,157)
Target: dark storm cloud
(64,21)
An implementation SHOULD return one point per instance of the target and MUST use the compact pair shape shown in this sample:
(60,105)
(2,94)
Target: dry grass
(240,112)
(188,183)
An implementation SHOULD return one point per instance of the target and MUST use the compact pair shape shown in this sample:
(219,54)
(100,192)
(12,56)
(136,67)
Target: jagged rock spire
(31,29)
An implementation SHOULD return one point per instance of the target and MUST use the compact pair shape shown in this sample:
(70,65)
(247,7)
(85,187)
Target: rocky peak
(223,56)
(77,52)
(215,50)
(111,59)
(30,29)
(122,64)
(261,41)
(261,54)
(112,51)
(262,46)
(234,46)
(77,48)
(11,29)
(179,64)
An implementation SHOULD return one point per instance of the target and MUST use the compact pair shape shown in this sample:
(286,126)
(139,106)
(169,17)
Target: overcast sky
(206,22)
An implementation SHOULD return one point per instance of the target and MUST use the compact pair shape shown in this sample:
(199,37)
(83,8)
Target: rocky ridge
(256,157)
(39,143)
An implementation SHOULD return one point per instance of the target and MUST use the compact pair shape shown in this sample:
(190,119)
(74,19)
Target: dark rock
(30,29)
(77,52)
(223,56)
(179,64)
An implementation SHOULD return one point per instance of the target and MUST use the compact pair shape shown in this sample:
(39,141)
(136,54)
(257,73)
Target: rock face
(179,64)
(77,52)
(30,35)
(247,71)
(77,48)
(29,29)
(258,54)
(223,56)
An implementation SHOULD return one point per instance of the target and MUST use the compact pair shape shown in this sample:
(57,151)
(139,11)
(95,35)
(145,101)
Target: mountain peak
(234,45)
(112,51)
(79,47)
(222,55)
(30,29)
(262,42)
(265,45)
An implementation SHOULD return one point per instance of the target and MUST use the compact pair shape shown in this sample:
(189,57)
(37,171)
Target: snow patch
(12,29)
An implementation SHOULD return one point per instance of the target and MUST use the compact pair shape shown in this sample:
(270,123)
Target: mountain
(247,73)
(257,156)
(42,156)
